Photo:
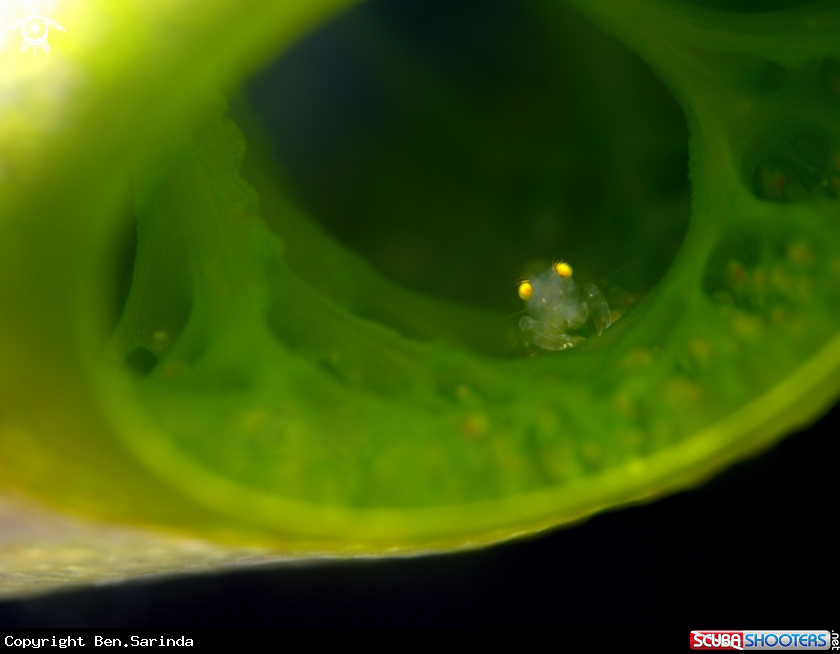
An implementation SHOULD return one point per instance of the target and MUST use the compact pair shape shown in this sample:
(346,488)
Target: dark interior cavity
(459,145)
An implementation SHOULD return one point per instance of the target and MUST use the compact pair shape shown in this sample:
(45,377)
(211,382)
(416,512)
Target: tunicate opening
(148,298)
(455,146)
(122,267)
(140,362)
(792,162)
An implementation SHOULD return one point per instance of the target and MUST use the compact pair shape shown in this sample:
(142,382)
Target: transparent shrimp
(558,307)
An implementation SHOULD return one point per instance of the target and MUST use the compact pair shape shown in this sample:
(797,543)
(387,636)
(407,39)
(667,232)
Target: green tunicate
(264,384)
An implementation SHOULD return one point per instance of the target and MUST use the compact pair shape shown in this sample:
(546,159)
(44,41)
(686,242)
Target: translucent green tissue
(263,388)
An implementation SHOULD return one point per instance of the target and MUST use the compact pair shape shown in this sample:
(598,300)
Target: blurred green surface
(318,355)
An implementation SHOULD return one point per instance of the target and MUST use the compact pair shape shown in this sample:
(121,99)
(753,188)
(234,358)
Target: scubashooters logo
(761,640)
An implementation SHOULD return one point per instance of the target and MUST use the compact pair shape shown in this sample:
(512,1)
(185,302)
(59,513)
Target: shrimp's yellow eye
(563,269)
(525,291)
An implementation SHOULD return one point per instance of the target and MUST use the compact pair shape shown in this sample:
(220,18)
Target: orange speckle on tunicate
(474,426)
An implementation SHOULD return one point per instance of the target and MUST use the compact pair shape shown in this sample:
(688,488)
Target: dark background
(755,548)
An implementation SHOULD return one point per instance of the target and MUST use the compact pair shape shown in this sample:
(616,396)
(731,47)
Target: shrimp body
(558,307)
